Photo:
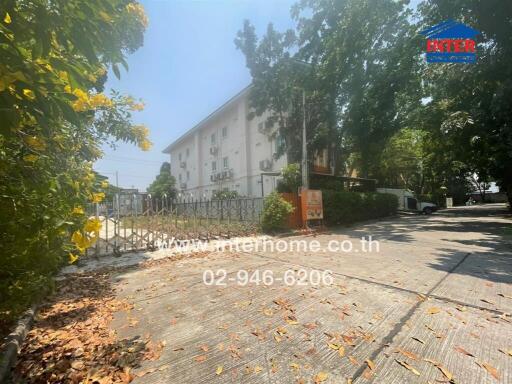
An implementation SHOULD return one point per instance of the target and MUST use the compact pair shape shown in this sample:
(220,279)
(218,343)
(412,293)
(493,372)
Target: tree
(361,84)
(164,184)
(473,100)
(54,58)
(290,178)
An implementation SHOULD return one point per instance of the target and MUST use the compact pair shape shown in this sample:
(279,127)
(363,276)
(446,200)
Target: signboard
(311,204)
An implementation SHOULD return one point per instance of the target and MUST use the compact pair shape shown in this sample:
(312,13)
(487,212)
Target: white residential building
(227,151)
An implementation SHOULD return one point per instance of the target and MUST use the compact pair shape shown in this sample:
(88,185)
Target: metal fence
(137,222)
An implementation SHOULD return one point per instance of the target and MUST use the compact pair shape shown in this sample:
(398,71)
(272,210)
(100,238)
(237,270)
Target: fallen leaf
(418,340)
(219,369)
(204,348)
(487,301)
(463,351)
(506,296)
(334,346)
(408,366)
(200,359)
(320,377)
(353,360)
(433,310)
(489,368)
(408,354)
(445,372)
(295,366)
(509,352)
(341,351)
(258,369)
(370,364)
(367,374)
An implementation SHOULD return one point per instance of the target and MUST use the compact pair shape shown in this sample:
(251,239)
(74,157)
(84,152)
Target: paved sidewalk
(429,307)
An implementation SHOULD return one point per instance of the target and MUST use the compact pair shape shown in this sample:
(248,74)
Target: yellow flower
(137,107)
(72,258)
(29,94)
(35,143)
(7,18)
(138,11)
(90,176)
(145,145)
(81,242)
(100,100)
(104,184)
(141,132)
(97,197)
(78,210)
(92,225)
(82,103)
(30,158)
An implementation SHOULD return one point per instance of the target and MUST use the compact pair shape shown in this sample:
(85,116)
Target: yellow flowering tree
(55,115)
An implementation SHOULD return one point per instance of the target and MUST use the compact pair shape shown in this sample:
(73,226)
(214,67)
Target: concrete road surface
(431,305)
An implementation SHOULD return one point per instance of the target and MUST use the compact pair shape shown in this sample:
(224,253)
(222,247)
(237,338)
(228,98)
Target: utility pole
(305,181)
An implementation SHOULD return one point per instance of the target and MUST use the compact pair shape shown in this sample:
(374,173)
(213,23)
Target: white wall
(244,146)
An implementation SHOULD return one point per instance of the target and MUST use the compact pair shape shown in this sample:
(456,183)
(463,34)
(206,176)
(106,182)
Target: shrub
(275,212)
(291,178)
(343,207)
(225,195)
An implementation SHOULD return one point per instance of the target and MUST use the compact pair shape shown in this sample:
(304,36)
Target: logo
(450,42)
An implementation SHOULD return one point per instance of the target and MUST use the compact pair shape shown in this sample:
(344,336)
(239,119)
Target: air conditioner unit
(183,164)
(265,165)
(213,150)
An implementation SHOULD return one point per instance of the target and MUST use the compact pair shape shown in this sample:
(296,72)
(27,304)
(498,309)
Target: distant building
(228,151)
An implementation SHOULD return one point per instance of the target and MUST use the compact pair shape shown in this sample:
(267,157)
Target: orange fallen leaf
(408,366)
(370,364)
(320,377)
(433,310)
(367,374)
(200,359)
(341,351)
(463,351)
(204,348)
(489,368)
(353,360)
(408,354)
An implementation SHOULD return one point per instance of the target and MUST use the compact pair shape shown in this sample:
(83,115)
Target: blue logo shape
(450,42)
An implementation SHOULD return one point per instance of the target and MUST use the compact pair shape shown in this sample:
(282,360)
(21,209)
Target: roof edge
(199,125)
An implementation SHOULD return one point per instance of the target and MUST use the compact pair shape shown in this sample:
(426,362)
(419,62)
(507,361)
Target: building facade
(227,151)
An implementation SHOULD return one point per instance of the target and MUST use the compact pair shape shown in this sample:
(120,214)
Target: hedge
(343,207)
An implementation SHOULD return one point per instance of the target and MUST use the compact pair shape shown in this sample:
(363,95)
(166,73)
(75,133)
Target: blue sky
(187,67)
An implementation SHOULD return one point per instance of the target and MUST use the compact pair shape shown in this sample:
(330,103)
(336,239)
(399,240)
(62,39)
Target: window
(179,177)
(179,156)
(213,138)
(225,162)
(188,175)
(188,152)
(214,166)
(224,132)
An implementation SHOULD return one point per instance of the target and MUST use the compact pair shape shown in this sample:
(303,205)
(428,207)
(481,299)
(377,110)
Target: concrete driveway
(430,306)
